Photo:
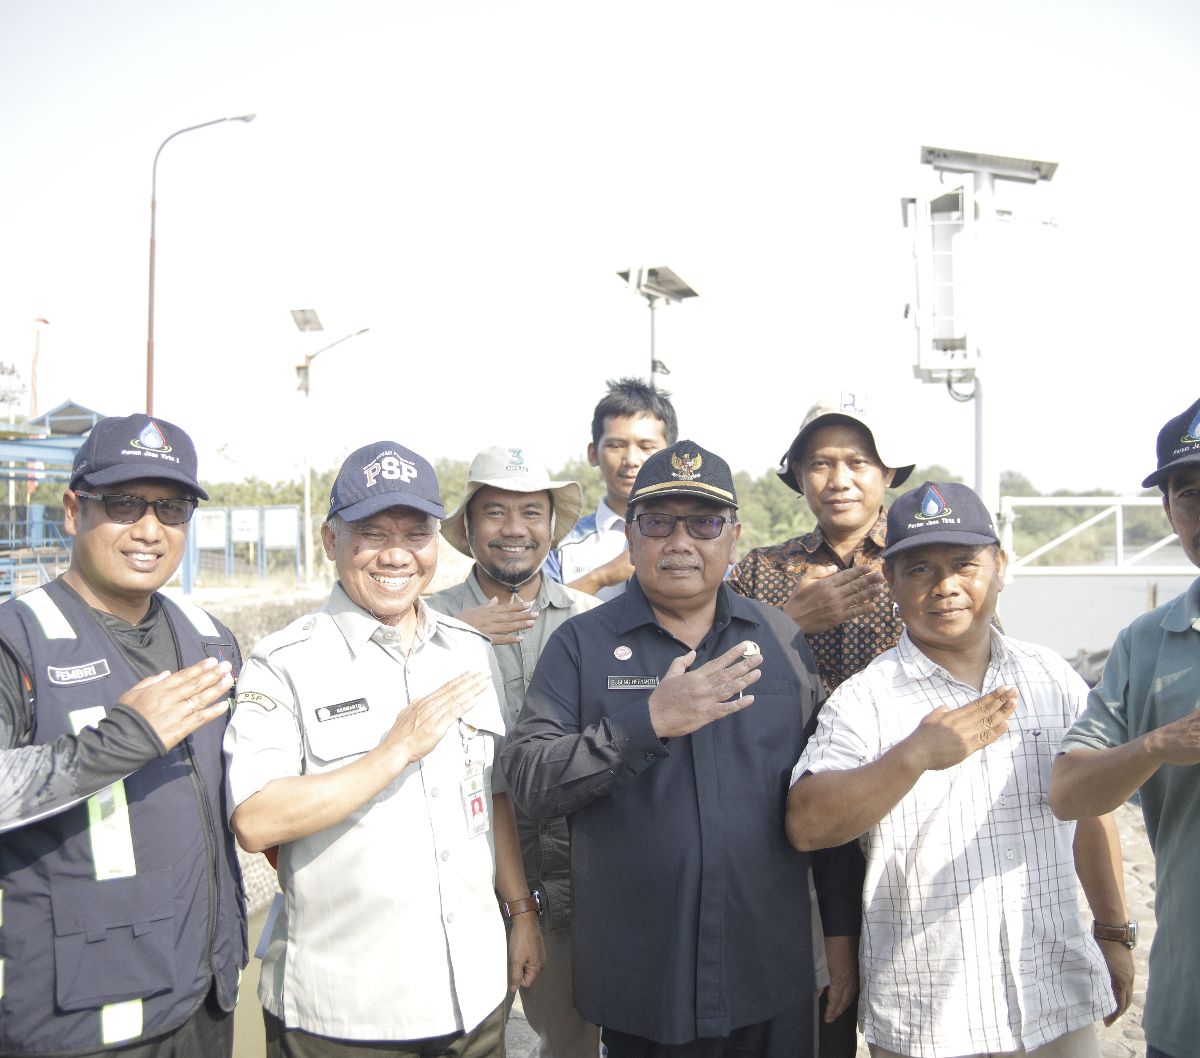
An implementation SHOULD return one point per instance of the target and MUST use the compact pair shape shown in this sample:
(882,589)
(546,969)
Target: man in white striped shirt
(938,754)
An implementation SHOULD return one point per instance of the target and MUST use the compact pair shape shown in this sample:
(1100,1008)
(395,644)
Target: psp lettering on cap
(136,448)
(382,475)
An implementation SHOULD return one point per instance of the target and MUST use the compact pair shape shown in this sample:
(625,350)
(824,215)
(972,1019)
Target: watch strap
(509,908)
(1125,934)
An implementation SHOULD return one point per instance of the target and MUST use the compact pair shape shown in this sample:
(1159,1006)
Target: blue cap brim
(356,512)
(947,536)
(129,472)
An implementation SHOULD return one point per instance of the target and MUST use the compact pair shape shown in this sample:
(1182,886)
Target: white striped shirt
(972,936)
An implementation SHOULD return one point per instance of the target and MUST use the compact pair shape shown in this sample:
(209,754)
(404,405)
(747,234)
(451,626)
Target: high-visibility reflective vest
(119,913)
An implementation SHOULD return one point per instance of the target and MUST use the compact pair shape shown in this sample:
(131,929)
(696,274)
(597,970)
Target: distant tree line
(770,511)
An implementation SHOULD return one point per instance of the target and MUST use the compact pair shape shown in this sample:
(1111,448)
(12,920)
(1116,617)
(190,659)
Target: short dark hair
(633,397)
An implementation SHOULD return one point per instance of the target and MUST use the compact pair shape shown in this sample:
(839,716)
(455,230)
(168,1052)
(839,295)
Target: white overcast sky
(465,178)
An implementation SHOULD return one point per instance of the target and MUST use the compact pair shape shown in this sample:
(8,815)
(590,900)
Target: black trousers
(787,1035)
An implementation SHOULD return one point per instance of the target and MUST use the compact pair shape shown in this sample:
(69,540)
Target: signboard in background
(281,527)
(245,525)
(210,529)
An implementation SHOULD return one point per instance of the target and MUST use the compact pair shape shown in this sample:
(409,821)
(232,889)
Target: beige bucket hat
(515,470)
(830,410)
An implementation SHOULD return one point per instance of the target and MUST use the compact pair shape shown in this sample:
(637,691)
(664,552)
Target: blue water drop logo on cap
(151,439)
(933,505)
(1193,432)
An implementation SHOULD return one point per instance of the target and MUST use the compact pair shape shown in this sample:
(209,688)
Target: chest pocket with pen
(338,733)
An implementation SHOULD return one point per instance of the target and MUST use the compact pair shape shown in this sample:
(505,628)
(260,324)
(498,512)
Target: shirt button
(1008,854)
(450,919)
(389,635)
(1003,799)
(649,756)
(433,792)
(445,854)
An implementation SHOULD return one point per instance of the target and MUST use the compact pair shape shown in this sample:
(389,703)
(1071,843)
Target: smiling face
(116,567)
(679,569)
(947,595)
(1182,504)
(509,533)
(385,561)
(626,443)
(843,480)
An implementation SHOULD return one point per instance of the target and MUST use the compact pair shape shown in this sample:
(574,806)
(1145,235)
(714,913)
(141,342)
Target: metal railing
(1124,564)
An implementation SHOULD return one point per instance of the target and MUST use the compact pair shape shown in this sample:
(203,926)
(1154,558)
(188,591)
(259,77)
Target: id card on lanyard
(474,793)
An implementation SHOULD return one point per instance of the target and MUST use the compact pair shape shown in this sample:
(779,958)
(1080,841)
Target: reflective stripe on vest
(199,618)
(112,856)
(50,617)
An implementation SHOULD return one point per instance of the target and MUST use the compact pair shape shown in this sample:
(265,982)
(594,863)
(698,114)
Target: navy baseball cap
(134,448)
(938,513)
(684,469)
(1178,445)
(382,475)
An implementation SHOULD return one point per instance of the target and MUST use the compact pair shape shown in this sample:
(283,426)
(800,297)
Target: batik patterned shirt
(770,574)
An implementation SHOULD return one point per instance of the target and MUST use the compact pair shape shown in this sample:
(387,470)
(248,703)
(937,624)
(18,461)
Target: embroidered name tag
(336,712)
(631,683)
(93,670)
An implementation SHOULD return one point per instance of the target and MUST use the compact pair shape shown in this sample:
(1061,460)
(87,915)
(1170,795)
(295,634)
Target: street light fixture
(307,321)
(659,286)
(247,118)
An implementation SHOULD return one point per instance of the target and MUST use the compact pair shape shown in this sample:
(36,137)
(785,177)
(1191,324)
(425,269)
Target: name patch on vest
(631,683)
(336,712)
(85,673)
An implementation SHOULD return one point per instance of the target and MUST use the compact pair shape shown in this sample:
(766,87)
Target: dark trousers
(486,1040)
(838,1038)
(787,1035)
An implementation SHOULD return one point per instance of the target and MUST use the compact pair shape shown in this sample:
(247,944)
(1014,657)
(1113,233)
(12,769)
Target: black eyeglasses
(130,509)
(700,526)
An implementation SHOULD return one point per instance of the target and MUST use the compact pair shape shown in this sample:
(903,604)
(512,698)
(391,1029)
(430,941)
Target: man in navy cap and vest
(1141,732)
(661,724)
(362,746)
(122,925)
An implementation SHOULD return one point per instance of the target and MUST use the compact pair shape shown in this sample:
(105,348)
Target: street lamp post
(302,375)
(153,209)
(659,286)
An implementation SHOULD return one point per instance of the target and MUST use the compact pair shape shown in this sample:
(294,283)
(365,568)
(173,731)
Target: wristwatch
(532,902)
(1126,934)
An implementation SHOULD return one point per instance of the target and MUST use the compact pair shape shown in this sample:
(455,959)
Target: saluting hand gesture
(946,737)
(175,704)
(826,596)
(684,701)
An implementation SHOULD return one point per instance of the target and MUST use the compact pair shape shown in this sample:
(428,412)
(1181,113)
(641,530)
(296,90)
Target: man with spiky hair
(632,421)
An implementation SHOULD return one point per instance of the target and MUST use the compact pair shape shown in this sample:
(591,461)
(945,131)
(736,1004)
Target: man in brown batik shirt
(830,582)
